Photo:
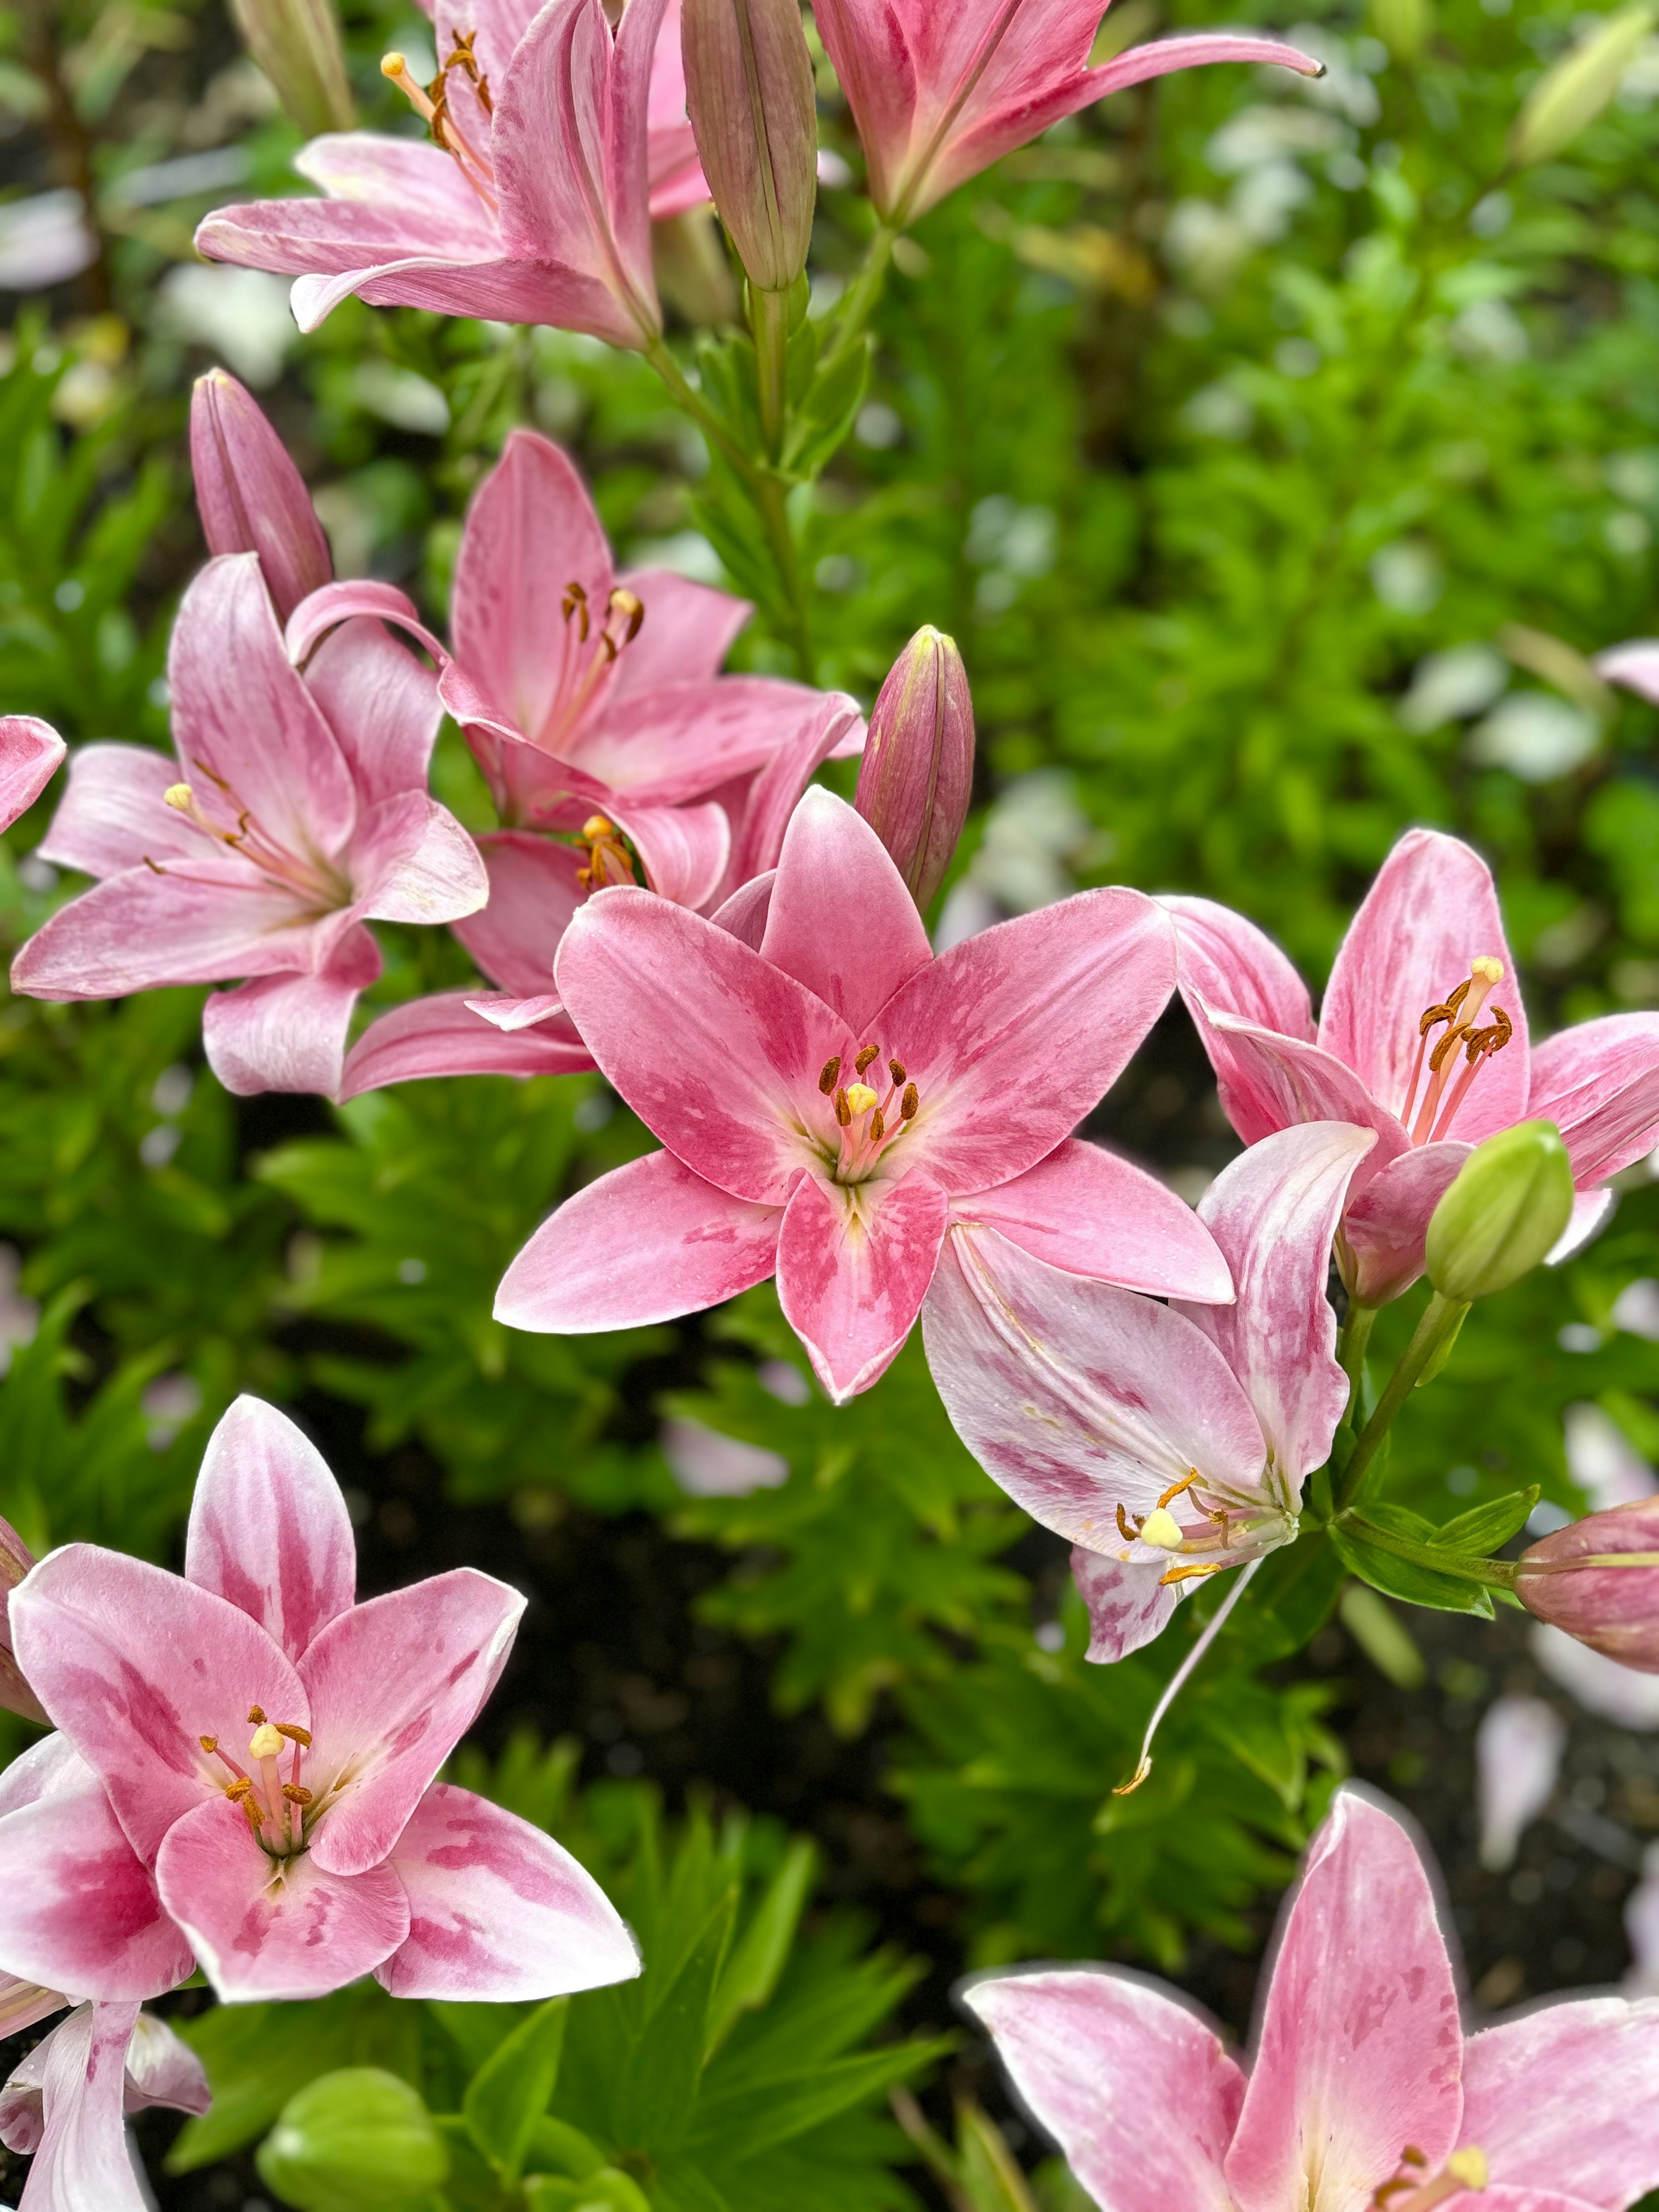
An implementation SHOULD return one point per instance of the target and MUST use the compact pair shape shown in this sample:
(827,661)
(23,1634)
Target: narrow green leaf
(770,2112)
(1484,1527)
(1405,1579)
(510,2092)
(751,1973)
(657,2091)
(608,2190)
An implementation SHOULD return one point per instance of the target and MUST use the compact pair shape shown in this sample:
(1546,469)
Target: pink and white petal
(1359,2046)
(188,921)
(393,1686)
(1129,1603)
(1432,910)
(531,532)
(269,1528)
(689,628)
(1634,664)
(1086,1210)
(348,601)
(266,1929)
(1011,1036)
(1592,2137)
(381,705)
(413,182)
(1274,1212)
(832,730)
(388,206)
(135,1666)
(718,1052)
(1274,1082)
(442,1035)
(288,1033)
(252,740)
(685,849)
(841,921)
(1236,968)
(511,1014)
(1599,1084)
(22,2004)
(113,814)
(31,753)
(647,1243)
(81,1910)
(743,915)
(1078,1397)
(411,860)
(1093,2055)
(46,1767)
(853,1266)
(1591,1211)
(499,1913)
(1385,1226)
(681,740)
(533,893)
(83,2163)
(162,2070)
(507,289)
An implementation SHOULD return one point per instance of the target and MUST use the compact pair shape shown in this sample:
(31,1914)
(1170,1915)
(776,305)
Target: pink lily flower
(245,1767)
(296,811)
(67,2102)
(533,201)
(31,753)
(939,93)
(593,704)
(831,1097)
(1167,1443)
(1423,1038)
(1361,2089)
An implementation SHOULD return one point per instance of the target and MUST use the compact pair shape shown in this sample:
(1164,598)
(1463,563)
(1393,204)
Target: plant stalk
(1441,1321)
(768,319)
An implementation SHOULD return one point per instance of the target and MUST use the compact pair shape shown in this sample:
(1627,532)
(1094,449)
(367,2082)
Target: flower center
(457,109)
(1408,2190)
(590,652)
(1459,1014)
(278,1811)
(611,858)
(868,1123)
(1161,1530)
(318,885)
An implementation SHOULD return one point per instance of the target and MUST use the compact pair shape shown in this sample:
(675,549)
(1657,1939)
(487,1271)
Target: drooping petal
(406,180)
(269,1528)
(689,628)
(1129,1603)
(833,729)
(266,1928)
(1517,1752)
(1432,910)
(1592,2137)
(31,752)
(685,849)
(1599,1083)
(352,599)
(1635,665)
(113,814)
(135,1666)
(1274,1212)
(744,913)
(411,861)
(1078,1397)
(288,1032)
(1359,2045)
(22,2004)
(1275,1082)
(718,1052)
(512,1014)
(162,2070)
(647,1243)
(1237,969)
(185,921)
(507,288)
(44,1768)
(1385,1226)
(81,2161)
(1134,2087)
(393,1686)
(683,739)
(531,532)
(1087,1211)
(381,705)
(499,1913)
(442,1035)
(841,921)
(533,893)
(853,1266)
(1011,1036)
(81,1911)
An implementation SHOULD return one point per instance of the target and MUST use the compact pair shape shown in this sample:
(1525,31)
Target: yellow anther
(302,1736)
(1469,2165)
(265,1742)
(238,1790)
(179,796)
(208,1742)
(859,1098)
(1163,1530)
(829,1075)
(632,611)
(908,1104)
(296,1794)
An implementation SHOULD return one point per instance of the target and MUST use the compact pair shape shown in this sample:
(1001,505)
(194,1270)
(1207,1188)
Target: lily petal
(1129,1604)
(1276,1082)
(683,739)
(442,1035)
(853,1269)
(412,861)
(685,849)
(833,729)
(1592,2137)
(1385,1226)
(81,1911)
(841,921)
(191,920)
(288,1033)
(533,893)
(113,815)
(1599,1083)
(31,753)
(83,2159)
(381,705)
(163,2070)
(1237,969)
(689,628)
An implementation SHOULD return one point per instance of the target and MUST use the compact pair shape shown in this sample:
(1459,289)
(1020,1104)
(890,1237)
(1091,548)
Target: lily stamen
(1460,1011)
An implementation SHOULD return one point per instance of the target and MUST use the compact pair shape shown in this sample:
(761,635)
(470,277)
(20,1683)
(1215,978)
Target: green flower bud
(297,44)
(356,2141)
(1579,86)
(1510,1201)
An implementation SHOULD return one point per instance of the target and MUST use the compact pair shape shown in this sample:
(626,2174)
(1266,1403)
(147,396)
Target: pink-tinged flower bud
(250,496)
(297,44)
(750,93)
(1598,1580)
(917,773)
(15,1560)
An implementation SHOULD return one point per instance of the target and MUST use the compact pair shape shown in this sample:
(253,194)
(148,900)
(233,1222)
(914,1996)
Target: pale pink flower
(296,811)
(1168,1442)
(939,92)
(31,753)
(831,1097)
(1518,1748)
(1423,1038)
(1361,2088)
(533,202)
(66,2102)
(244,1762)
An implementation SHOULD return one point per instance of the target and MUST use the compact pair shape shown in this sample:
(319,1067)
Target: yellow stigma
(597,826)
(1163,1530)
(860,1097)
(180,795)
(1469,2165)
(1485,969)
(265,1742)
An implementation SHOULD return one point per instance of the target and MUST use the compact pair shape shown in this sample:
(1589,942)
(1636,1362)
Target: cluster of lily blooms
(242,1773)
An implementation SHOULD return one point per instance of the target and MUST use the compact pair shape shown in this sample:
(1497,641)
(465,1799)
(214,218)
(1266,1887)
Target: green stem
(859,300)
(768,318)
(1490,1574)
(1352,1344)
(685,395)
(1440,1322)
(769,495)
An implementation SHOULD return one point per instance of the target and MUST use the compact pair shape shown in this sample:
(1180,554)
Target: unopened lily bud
(1508,1205)
(352,2140)
(917,773)
(15,1695)
(1598,1580)
(297,44)
(250,496)
(1573,93)
(749,94)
